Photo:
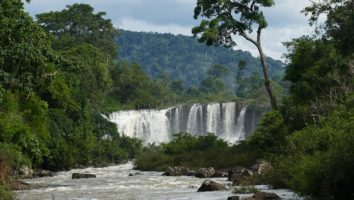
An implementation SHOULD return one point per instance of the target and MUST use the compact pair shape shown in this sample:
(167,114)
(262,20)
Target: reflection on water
(115,183)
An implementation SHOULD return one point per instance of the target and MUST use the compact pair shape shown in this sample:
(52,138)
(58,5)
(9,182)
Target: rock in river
(264,196)
(79,175)
(237,175)
(211,186)
(178,171)
(205,172)
(233,198)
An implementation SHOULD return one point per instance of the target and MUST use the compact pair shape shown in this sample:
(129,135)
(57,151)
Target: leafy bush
(186,143)
(270,135)
(5,193)
(321,159)
(195,152)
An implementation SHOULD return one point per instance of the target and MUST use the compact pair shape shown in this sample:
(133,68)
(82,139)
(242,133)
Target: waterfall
(148,125)
(240,127)
(225,120)
(213,118)
(229,121)
(194,122)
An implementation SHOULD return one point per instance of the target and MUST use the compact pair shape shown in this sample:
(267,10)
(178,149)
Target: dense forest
(59,73)
(184,58)
(55,77)
(194,72)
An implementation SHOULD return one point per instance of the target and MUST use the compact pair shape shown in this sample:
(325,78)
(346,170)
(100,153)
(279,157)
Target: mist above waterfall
(225,120)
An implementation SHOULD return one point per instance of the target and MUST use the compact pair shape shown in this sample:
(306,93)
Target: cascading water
(229,125)
(240,127)
(225,120)
(148,125)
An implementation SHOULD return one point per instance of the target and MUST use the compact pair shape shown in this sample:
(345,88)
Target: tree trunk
(267,84)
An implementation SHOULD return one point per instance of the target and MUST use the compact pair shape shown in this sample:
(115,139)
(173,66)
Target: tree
(339,24)
(226,18)
(218,71)
(78,24)
(214,83)
(24,49)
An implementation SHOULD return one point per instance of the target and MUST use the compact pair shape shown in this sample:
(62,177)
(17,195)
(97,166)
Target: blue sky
(176,16)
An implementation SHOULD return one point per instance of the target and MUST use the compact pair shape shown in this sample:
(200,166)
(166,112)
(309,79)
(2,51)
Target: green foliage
(321,158)
(183,58)
(339,22)
(270,135)
(77,24)
(195,152)
(131,86)
(24,124)
(5,193)
(245,190)
(50,100)
(225,18)
(24,49)
(320,81)
(186,143)
(14,156)
(317,158)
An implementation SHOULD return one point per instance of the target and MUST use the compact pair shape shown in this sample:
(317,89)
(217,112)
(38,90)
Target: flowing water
(115,183)
(225,120)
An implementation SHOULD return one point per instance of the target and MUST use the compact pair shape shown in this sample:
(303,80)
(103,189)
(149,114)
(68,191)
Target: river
(115,183)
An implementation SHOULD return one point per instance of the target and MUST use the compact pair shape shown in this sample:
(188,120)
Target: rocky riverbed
(122,182)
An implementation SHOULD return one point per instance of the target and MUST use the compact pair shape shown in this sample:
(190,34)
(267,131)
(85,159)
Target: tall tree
(24,49)
(78,24)
(339,23)
(223,19)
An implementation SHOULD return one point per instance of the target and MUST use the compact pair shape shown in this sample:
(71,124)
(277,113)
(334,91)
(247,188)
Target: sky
(176,17)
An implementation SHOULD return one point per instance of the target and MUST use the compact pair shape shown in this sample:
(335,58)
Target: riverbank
(115,183)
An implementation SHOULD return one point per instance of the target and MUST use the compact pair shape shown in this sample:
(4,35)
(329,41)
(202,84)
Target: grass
(249,189)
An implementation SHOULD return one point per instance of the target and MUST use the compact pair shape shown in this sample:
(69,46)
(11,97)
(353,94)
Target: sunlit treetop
(224,18)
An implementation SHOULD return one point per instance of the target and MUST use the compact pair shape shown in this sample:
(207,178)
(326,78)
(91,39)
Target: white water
(148,125)
(229,122)
(240,126)
(221,119)
(113,183)
(213,118)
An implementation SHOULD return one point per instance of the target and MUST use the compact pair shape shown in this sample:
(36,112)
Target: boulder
(42,173)
(25,172)
(19,185)
(262,167)
(237,175)
(137,173)
(211,186)
(220,174)
(79,175)
(233,198)
(178,171)
(264,196)
(205,172)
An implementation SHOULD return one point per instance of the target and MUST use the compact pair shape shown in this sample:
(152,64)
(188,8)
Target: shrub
(5,179)
(321,158)
(270,135)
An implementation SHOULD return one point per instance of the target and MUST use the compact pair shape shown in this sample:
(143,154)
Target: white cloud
(138,25)
(272,39)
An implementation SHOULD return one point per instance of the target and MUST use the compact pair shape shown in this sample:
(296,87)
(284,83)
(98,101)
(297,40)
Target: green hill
(183,58)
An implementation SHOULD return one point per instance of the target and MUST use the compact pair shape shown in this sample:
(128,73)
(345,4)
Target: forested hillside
(184,58)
